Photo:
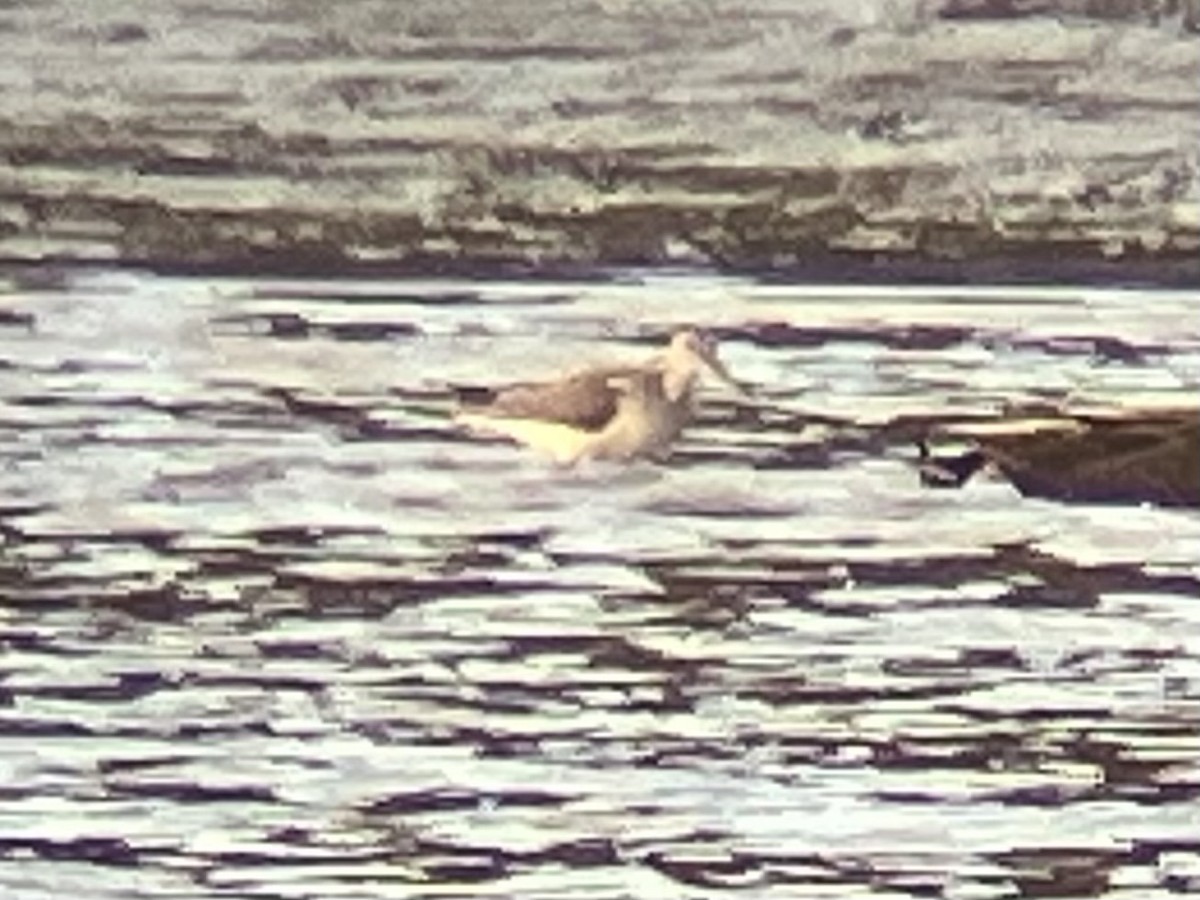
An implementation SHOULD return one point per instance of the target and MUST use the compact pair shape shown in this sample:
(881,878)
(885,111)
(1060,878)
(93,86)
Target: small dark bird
(1119,456)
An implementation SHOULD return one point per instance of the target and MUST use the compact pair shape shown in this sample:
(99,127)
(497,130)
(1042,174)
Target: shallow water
(273,628)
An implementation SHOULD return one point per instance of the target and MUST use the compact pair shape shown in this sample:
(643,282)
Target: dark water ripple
(272,628)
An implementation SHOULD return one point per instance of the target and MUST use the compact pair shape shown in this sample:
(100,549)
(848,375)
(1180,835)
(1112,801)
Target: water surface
(273,628)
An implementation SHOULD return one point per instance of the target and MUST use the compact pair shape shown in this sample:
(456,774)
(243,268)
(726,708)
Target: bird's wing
(583,400)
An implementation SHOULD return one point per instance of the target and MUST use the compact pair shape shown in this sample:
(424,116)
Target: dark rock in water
(1117,457)
(125,33)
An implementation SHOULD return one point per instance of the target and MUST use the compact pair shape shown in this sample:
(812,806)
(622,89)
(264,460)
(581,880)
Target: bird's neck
(678,381)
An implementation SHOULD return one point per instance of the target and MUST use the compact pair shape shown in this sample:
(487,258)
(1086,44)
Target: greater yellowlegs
(605,411)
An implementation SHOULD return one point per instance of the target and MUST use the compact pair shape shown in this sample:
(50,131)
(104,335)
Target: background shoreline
(872,141)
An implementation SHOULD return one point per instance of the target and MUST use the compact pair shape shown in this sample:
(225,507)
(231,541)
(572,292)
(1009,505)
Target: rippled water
(273,628)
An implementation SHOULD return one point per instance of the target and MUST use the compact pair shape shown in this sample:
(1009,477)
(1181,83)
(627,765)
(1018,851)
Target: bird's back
(583,400)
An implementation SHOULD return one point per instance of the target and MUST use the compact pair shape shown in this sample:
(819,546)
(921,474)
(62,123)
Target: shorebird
(616,412)
(1109,456)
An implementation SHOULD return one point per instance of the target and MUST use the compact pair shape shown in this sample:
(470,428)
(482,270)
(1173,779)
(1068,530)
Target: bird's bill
(713,363)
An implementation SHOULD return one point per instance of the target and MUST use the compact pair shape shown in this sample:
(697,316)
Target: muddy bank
(875,140)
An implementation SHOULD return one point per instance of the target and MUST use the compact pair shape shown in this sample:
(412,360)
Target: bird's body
(1113,456)
(604,412)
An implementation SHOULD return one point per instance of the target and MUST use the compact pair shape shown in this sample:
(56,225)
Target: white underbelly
(562,443)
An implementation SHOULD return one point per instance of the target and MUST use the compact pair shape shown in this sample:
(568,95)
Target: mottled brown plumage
(585,400)
(590,411)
